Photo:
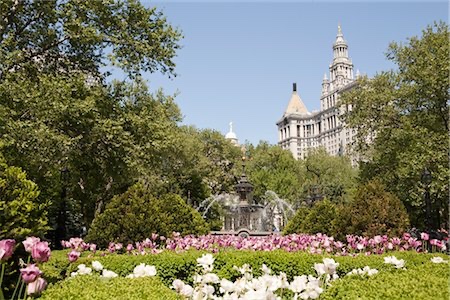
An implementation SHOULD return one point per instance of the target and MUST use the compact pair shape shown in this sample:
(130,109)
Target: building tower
(300,130)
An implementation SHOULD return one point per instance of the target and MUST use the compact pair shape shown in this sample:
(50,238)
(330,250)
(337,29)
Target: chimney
(294,87)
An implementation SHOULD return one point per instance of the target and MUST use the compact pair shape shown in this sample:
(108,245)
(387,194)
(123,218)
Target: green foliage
(75,35)
(401,117)
(22,214)
(136,214)
(96,288)
(420,273)
(318,219)
(272,168)
(422,281)
(295,224)
(374,212)
(335,176)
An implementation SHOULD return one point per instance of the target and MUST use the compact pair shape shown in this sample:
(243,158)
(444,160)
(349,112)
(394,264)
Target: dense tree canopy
(55,36)
(401,117)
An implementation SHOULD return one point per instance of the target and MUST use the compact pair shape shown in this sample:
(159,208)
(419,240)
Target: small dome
(231,136)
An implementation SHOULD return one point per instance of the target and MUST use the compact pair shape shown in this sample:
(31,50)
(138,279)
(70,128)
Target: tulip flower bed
(411,276)
(228,267)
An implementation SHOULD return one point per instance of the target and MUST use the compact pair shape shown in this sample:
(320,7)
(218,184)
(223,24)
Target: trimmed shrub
(96,288)
(313,220)
(22,213)
(374,211)
(295,224)
(424,280)
(172,265)
(136,214)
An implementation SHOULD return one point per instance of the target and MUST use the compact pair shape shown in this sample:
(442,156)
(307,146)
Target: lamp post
(426,180)
(61,230)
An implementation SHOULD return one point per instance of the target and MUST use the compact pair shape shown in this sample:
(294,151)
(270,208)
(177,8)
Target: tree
(81,36)
(272,168)
(373,212)
(402,119)
(22,212)
(334,176)
(136,214)
(52,116)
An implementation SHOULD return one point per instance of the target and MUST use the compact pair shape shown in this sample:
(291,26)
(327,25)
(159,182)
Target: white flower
(265,269)
(143,270)
(83,270)
(97,265)
(226,286)
(298,284)
(177,285)
(362,272)
(438,260)
(330,265)
(73,274)
(398,263)
(186,291)
(206,261)
(210,278)
(108,274)
(320,269)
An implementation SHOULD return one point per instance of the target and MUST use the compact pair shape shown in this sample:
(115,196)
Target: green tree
(334,176)
(136,214)
(52,115)
(22,213)
(402,119)
(373,212)
(271,168)
(75,35)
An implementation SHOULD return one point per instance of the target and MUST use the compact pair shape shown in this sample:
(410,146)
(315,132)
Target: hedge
(171,265)
(96,288)
(420,281)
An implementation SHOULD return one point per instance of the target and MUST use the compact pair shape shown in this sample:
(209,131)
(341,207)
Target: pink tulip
(6,249)
(41,252)
(30,242)
(424,236)
(36,287)
(130,247)
(73,255)
(93,247)
(30,273)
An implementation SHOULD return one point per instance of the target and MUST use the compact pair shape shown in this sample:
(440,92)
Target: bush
(424,280)
(22,213)
(387,284)
(136,214)
(96,288)
(374,212)
(313,220)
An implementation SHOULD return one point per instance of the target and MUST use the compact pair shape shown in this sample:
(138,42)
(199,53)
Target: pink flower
(40,252)
(424,236)
(378,239)
(30,242)
(36,287)
(129,247)
(30,273)
(154,236)
(73,255)
(93,247)
(6,249)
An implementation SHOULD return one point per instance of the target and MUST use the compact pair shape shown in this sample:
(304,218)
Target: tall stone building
(300,130)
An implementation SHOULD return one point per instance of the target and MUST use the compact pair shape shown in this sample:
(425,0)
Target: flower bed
(390,282)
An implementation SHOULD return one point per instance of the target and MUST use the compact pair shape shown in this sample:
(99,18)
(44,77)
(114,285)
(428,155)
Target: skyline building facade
(300,130)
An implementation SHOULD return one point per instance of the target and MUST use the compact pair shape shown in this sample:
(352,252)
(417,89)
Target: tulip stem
(2,297)
(17,285)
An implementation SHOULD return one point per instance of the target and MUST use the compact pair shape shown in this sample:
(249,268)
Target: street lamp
(426,180)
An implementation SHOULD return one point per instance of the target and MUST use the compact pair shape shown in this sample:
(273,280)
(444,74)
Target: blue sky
(239,60)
